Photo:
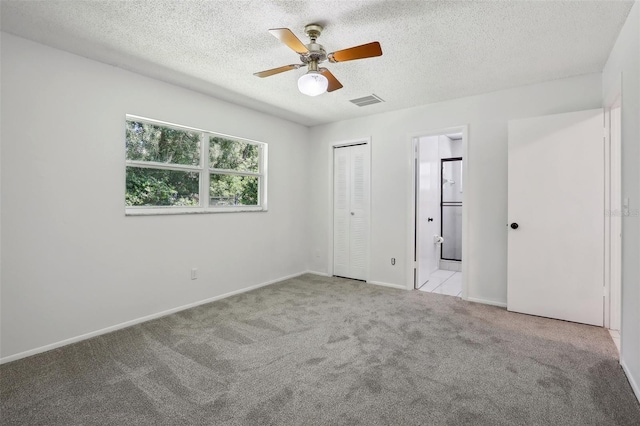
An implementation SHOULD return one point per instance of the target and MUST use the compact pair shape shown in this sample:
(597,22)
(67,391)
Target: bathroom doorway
(439,199)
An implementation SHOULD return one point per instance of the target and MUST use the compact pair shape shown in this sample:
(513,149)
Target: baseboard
(396,286)
(323,274)
(486,302)
(632,382)
(126,324)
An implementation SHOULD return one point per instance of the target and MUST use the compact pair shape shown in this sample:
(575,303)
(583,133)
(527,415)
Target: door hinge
(604,291)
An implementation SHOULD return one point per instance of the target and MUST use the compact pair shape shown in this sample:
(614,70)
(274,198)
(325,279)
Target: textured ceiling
(433,50)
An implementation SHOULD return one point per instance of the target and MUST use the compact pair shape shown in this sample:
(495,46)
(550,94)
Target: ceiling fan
(317,80)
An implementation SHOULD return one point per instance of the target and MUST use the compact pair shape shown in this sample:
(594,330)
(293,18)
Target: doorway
(439,164)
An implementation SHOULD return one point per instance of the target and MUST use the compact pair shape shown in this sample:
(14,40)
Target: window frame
(204,172)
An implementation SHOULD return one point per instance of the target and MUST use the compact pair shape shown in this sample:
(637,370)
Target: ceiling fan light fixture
(317,80)
(313,83)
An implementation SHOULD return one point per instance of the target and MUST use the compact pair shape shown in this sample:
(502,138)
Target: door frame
(613,206)
(412,248)
(366,140)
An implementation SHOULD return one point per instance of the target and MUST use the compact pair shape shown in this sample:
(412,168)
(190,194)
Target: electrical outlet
(393,260)
(194,273)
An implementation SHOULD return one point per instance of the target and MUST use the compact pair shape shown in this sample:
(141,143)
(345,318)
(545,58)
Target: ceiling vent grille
(367,100)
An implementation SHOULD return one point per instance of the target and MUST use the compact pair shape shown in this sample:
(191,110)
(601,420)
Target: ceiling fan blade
(334,84)
(287,37)
(278,70)
(368,50)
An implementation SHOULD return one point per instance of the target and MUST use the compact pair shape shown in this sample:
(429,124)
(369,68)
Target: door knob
(352,213)
(514,225)
(429,219)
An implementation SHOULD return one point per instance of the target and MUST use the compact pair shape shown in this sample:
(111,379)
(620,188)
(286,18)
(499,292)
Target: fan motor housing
(316,53)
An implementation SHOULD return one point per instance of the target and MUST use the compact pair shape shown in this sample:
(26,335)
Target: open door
(556,216)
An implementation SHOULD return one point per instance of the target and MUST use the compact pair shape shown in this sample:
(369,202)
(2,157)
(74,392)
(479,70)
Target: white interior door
(428,202)
(351,211)
(556,198)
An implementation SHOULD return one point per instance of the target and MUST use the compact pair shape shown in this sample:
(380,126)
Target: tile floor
(444,282)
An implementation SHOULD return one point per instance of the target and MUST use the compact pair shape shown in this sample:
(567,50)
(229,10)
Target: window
(176,169)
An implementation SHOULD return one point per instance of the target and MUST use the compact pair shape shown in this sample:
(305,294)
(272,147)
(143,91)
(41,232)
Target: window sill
(156,211)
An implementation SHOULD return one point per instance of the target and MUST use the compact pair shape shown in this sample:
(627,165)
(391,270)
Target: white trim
(204,178)
(133,117)
(168,210)
(163,166)
(613,220)
(264,167)
(632,382)
(487,302)
(613,225)
(411,221)
(146,318)
(606,271)
(396,286)
(232,172)
(613,206)
(322,274)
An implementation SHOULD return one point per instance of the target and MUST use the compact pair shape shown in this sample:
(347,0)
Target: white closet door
(341,212)
(351,211)
(359,202)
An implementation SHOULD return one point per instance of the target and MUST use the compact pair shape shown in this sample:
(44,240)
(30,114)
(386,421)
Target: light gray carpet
(328,351)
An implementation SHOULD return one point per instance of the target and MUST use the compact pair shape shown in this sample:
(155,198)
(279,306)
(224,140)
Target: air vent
(367,100)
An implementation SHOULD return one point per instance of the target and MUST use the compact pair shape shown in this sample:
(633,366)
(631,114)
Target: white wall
(72,263)
(486,195)
(625,60)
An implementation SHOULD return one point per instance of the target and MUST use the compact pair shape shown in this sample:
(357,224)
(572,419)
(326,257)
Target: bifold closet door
(351,211)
